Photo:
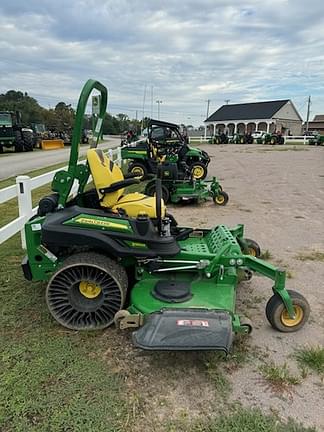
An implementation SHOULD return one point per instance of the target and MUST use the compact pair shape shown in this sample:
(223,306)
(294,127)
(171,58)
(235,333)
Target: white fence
(23,191)
(299,138)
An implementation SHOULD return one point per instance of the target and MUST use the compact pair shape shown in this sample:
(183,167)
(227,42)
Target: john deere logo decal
(100,222)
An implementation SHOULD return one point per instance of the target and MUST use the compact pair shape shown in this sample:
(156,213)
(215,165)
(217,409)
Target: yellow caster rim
(252,252)
(89,289)
(292,322)
(220,199)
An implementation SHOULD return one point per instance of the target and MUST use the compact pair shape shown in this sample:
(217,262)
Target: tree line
(61,117)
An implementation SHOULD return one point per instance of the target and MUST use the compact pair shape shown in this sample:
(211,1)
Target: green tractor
(273,138)
(121,258)
(161,137)
(318,140)
(12,134)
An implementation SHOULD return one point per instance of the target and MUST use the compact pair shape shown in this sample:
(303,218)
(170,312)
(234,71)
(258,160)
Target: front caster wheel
(221,199)
(278,316)
(253,248)
(246,325)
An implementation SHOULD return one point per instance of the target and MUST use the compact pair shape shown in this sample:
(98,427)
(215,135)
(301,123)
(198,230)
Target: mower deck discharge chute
(107,260)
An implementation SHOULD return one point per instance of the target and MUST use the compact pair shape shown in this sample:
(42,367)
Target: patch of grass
(289,274)
(266,254)
(279,377)
(311,357)
(240,420)
(213,365)
(50,378)
(310,256)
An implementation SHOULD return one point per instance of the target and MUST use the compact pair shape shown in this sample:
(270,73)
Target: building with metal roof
(269,116)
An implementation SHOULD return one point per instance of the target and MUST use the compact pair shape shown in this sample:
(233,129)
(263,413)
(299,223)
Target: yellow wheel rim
(292,322)
(89,289)
(138,171)
(198,172)
(220,199)
(251,252)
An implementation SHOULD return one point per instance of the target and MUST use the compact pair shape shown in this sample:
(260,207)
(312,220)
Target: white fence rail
(23,191)
(300,138)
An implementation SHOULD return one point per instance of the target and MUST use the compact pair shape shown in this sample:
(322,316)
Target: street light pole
(159,103)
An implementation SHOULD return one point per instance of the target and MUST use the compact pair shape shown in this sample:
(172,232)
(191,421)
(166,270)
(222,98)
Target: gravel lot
(278,193)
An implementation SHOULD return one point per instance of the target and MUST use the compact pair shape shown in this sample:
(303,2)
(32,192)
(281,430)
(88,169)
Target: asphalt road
(13,164)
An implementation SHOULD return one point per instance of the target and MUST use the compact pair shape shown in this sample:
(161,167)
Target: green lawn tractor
(188,189)
(219,139)
(129,263)
(12,134)
(317,140)
(161,137)
(273,139)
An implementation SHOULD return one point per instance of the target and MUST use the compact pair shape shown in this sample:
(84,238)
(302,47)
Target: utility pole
(144,96)
(158,102)
(151,102)
(227,101)
(308,112)
(207,113)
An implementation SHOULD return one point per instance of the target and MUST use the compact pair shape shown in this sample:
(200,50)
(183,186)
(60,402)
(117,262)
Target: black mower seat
(110,185)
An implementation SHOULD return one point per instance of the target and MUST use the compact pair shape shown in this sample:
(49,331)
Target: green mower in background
(128,262)
(187,189)
(143,155)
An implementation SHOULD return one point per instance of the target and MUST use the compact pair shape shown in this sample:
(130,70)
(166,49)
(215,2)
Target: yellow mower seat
(105,173)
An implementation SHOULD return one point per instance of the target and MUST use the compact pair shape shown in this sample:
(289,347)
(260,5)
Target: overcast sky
(189,51)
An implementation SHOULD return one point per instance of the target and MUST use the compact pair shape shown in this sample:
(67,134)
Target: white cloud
(189,51)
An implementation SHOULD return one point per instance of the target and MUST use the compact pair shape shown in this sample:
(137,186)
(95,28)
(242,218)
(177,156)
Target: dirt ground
(278,193)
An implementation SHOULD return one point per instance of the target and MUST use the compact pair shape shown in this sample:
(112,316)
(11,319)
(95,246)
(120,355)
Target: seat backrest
(104,173)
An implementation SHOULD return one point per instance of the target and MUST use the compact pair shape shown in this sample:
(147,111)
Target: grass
(311,256)
(266,254)
(279,377)
(50,379)
(312,358)
(240,420)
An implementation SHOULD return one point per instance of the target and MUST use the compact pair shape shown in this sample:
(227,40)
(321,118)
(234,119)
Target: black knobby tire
(138,167)
(273,140)
(253,248)
(221,199)
(19,143)
(275,312)
(1,149)
(200,165)
(79,310)
(28,141)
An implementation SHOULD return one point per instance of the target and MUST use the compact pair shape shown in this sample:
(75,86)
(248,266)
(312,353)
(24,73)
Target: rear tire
(151,190)
(198,170)
(138,168)
(28,141)
(86,291)
(19,143)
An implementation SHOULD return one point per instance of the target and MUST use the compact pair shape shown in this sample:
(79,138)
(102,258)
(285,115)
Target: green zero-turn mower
(161,137)
(176,286)
(177,190)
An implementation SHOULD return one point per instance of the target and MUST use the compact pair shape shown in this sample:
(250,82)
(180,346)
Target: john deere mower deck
(177,190)
(132,265)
